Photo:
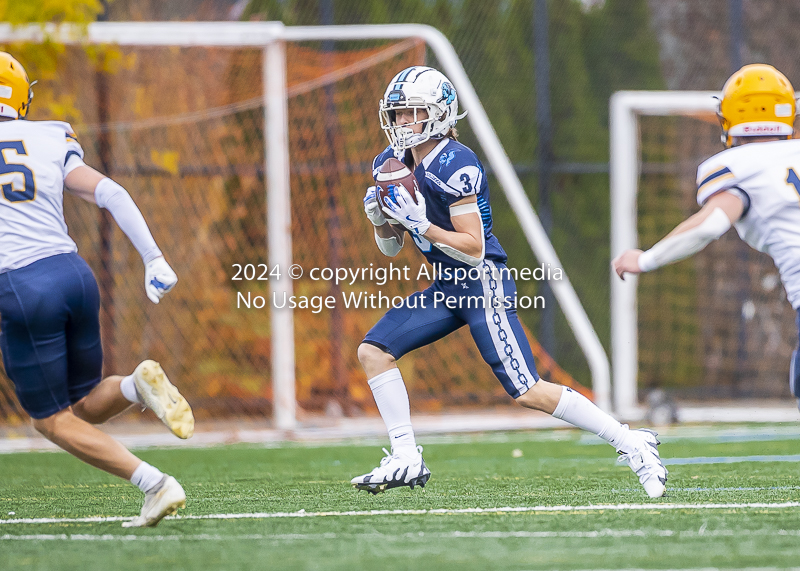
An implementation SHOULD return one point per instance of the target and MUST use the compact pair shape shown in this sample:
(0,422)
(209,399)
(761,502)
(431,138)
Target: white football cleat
(396,469)
(161,501)
(645,461)
(161,396)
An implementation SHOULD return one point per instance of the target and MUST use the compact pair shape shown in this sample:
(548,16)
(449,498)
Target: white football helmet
(419,87)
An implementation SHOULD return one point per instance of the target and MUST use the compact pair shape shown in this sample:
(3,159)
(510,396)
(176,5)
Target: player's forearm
(388,246)
(389,230)
(731,202)
(687,241)
(111,196)
(692,222)
(389,238)
(83,180)
(461,246)
(461,241)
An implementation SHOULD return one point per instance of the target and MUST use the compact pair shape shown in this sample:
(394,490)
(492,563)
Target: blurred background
(182,129)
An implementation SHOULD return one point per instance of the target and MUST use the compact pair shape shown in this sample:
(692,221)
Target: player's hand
(627,263)
(372,208)
(404,210)
(158,279)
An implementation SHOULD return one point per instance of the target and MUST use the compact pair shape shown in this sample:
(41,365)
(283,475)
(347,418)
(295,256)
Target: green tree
(49,11)
(43,61)
(620,51)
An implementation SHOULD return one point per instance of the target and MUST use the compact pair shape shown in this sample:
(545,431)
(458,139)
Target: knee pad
(794,374)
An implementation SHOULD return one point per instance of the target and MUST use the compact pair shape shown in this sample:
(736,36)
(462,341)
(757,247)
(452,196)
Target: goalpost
(272,39)
(750,322)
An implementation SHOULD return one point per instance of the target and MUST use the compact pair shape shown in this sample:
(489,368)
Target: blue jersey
(449,173)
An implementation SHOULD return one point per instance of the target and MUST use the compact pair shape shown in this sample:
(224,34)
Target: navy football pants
(50,339)
(496,330)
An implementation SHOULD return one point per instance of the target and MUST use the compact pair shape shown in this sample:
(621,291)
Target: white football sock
(391,397)
(579,411)
(146,477)
(128,388)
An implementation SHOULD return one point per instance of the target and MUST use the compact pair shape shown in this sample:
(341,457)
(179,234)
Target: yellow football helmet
(757,101)
(15,88)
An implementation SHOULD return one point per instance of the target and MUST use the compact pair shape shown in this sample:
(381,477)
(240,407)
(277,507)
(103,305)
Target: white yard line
(439,511)
(345,431)
(732,459)
(441,429)
(705,569)
(718,489)
(409,536)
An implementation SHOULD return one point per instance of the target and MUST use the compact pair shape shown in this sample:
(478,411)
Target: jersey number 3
(29,191)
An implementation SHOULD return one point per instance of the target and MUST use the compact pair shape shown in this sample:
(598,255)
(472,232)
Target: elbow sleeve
(685,244)
(461,256)
(389,246)
(111,196)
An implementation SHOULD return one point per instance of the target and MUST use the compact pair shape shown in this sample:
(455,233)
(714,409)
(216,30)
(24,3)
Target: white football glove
(158,278)
(372,208)
(404,210)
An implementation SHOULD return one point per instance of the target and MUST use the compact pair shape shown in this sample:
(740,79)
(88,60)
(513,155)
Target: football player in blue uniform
(450,223)
(50,303)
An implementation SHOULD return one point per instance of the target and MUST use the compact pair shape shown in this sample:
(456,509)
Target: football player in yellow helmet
(757,101)
(754,185)
(50,302)
(15,88)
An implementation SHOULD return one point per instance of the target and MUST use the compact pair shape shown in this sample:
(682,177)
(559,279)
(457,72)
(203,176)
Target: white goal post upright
(271,36)
(626,106)
(279,232)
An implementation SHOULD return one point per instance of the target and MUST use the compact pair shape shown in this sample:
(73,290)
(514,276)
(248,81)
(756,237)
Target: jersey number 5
(29,190)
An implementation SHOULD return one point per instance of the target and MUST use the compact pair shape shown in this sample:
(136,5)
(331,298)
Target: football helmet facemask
(15,88)
(757,101)
(417,88)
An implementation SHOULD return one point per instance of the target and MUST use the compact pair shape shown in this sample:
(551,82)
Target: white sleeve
(389,246)
(685,244)
(111,196)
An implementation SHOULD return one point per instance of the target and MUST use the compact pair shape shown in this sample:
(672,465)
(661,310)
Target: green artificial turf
(476,472)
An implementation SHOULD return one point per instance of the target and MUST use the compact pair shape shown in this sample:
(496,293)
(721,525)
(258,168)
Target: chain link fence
(183,129)
(717,325)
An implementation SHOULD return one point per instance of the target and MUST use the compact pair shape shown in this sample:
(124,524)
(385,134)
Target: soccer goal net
(248,148)
(715,327)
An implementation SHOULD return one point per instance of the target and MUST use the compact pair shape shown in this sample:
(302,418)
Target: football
(393,173)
